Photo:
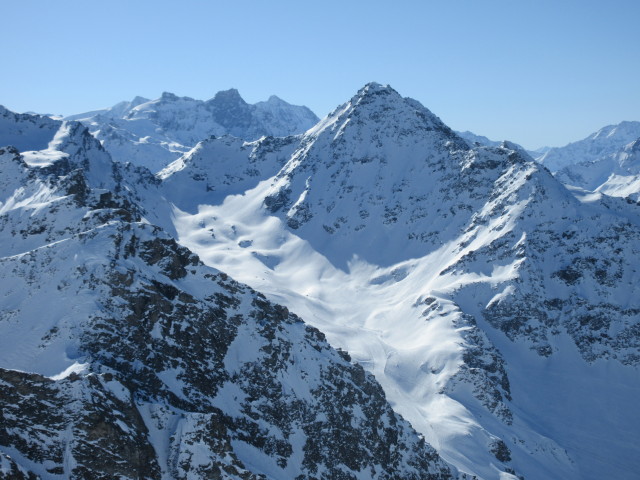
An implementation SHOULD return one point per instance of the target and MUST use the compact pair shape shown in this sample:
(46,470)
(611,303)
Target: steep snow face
(475,287)
(223,166)
(602,143)
(122,355)
(377,162)
(617,174)
(155,133)
(192,371)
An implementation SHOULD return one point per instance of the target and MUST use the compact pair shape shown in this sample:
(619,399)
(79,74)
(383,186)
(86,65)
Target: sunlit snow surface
(373,314)
(571,419)
(458,239)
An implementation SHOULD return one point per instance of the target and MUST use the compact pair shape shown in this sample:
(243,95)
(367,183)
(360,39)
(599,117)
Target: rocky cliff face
(26,132)
(123,355)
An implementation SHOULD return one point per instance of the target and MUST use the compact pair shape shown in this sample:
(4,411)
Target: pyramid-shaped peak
(378,111)
(374,93)
(275,100)
(383,101)
(375,88)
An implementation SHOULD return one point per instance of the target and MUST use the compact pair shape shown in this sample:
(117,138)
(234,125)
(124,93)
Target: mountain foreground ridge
(123,355)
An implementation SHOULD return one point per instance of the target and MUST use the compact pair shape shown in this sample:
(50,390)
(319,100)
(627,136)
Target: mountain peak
(373,87)
(378,111)
(373,91)
(168,96)
(138,100)
(274,99)
(228,96)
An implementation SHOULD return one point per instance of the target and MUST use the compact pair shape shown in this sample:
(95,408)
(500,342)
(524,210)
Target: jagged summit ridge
(121,354)
(153,133)
(380,106)
(471,282)
(371,176)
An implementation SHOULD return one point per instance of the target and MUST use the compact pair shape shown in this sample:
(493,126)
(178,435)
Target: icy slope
(471,283)
(121,355)
(602,143)
(154,133)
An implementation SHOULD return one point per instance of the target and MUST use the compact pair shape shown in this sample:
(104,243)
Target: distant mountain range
(373,297)
(606,161)
(153,133)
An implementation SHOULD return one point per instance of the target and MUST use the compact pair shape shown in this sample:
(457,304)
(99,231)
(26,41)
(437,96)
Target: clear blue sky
(536,72)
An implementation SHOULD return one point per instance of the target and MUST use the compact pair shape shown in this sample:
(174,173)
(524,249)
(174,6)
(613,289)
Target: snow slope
(479,291)
(122,355)
(498,311)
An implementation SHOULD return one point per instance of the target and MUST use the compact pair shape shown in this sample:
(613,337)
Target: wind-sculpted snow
(153,133)
(122,355)
(469,281)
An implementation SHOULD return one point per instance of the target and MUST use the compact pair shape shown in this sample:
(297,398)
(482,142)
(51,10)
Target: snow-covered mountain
(153,133)
(606,141)
(26,132)
(493,305)
(122,355)
(497,311)
(616,174)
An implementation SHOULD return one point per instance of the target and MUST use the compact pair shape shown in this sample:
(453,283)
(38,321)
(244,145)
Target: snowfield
(429,307)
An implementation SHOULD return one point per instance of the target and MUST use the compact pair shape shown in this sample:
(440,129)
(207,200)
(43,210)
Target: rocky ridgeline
(153,133)
(147,364)
(513,261)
